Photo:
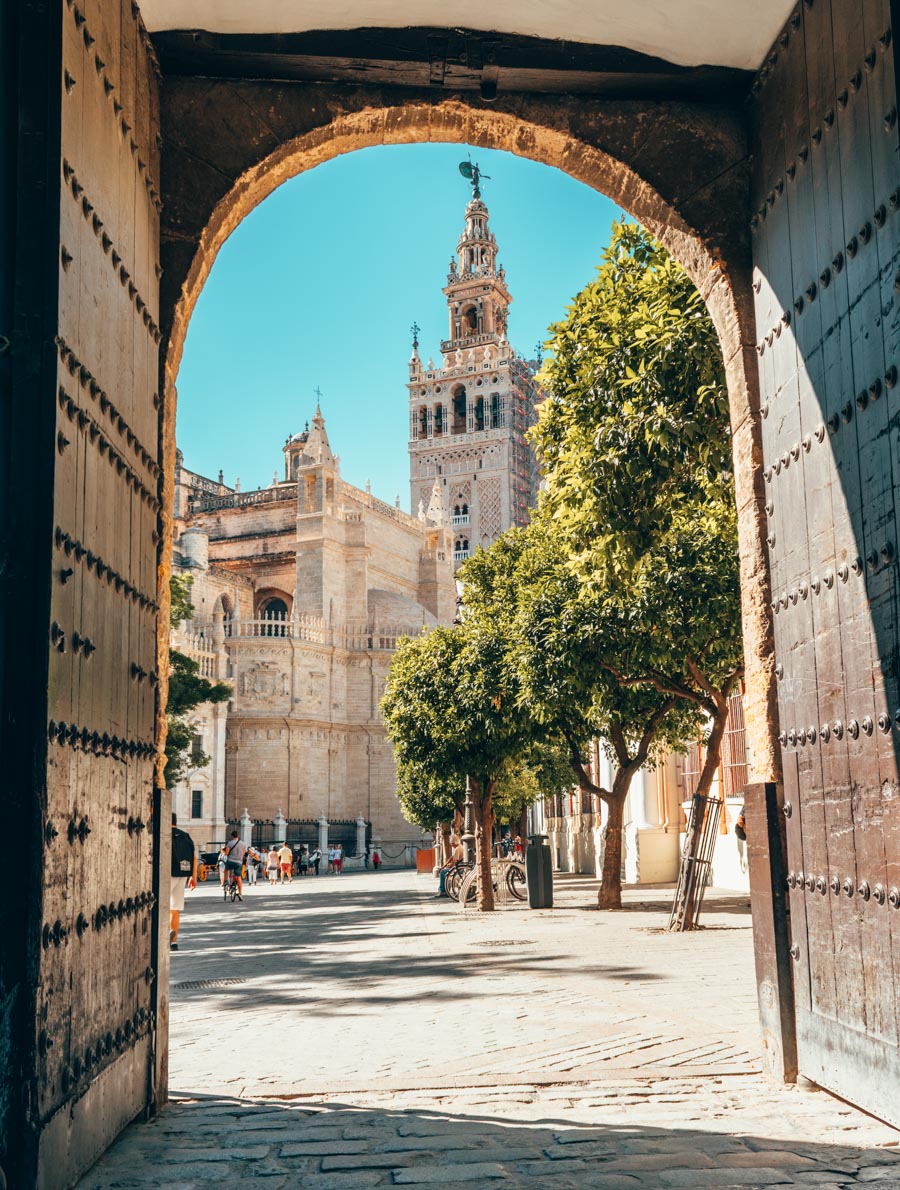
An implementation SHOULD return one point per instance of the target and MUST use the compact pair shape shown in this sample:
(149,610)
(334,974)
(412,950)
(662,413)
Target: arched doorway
(86,372)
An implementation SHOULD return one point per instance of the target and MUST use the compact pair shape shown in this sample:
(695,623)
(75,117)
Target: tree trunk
(609,895)
(444,835)
(691,849)
(483,806)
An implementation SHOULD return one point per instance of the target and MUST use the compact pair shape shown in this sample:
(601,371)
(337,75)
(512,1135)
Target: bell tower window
(458,425)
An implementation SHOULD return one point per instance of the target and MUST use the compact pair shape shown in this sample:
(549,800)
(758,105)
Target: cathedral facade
(469,416)
(301,591)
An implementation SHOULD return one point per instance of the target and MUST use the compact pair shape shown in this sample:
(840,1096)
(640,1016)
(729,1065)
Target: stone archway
(812,154)
(605,146)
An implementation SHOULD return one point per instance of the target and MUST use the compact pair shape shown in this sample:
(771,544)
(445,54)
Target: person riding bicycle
(234,852)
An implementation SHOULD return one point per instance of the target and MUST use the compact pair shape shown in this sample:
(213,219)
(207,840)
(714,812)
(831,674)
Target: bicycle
(230,887)
(508,874)
(454,879)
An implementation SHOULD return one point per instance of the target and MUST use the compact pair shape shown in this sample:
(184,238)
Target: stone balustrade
(283,491)
(354,637)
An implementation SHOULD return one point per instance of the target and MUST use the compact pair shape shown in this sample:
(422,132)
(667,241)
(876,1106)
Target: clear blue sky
(319,286)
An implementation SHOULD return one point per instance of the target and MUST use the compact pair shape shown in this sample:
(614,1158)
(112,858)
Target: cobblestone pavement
(355,1031)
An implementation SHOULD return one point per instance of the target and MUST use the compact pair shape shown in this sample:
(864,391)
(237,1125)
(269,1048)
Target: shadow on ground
(283,949)
(332,1146)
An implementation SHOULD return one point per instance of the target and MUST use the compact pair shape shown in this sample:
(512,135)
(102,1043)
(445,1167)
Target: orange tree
(635,443)
(451,710)
(564,641)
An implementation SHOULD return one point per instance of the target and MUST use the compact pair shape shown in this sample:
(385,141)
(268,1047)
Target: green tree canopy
(636,422)
(451,711)
(187,690)
(635,443)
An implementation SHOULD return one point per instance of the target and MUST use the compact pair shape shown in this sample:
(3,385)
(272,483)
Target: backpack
(182,853)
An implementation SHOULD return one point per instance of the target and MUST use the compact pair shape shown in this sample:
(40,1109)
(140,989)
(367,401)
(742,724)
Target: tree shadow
(196,1142)
(284,958)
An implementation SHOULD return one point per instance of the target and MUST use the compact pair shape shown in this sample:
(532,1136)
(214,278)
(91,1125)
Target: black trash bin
(539,873)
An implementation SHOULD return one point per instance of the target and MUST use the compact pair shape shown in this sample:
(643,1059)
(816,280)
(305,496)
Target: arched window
(458,425)
(423,422)
(273,613)
(470,321)
(479,414)
(438,420)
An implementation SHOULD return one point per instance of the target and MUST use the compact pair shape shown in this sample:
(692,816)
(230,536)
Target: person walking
(315,858)
(338,859)
(253,862)
(184,875)
(376,859)
(286,860)
(272,864)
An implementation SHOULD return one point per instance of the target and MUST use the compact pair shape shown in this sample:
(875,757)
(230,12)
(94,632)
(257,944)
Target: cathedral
(302,589)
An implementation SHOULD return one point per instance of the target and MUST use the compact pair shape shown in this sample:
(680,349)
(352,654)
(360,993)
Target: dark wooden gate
(826,231)
(79,722)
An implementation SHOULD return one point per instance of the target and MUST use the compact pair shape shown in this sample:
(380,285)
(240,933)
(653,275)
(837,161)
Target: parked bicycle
(507,877)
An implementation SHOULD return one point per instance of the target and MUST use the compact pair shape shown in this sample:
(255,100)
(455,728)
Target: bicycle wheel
(515,882)
(225,887)
(454,880)
(234,891)
(468,890)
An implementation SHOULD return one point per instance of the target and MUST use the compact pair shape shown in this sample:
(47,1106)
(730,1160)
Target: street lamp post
(468,837)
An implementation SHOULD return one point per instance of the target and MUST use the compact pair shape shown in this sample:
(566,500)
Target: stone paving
(354,1031)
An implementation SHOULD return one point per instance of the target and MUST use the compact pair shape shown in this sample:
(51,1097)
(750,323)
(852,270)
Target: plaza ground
(355,1031)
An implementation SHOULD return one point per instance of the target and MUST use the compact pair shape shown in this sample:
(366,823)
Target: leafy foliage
(187,690)
(636,424)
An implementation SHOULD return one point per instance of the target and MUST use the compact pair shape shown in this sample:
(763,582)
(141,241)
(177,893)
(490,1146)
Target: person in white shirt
(234,851)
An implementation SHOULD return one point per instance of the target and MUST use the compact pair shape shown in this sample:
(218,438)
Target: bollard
(539,873)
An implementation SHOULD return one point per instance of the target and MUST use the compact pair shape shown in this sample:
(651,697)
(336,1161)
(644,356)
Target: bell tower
(469,416)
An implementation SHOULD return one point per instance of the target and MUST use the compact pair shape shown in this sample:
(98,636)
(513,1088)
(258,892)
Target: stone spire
(317,448)
(437,512)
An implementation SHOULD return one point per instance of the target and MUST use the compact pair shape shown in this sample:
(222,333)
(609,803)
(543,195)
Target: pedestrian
(272,864)
(253,861)
(331,861)
(376,859)
(315,858)
(220,865)
(367,858)
(184,875)
(456,856)
(338,859)
(286,860)
(303,862)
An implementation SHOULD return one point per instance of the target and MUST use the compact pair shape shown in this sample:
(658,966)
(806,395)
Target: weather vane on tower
(474,174)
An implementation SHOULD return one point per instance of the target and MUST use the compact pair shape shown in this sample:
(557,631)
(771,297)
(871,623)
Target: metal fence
(304,832)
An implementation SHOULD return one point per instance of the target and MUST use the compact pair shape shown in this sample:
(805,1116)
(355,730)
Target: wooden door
(80,681)
(826,239)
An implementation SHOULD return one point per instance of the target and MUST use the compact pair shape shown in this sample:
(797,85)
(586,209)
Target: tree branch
(584,780)
(651,729)
(664,685)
